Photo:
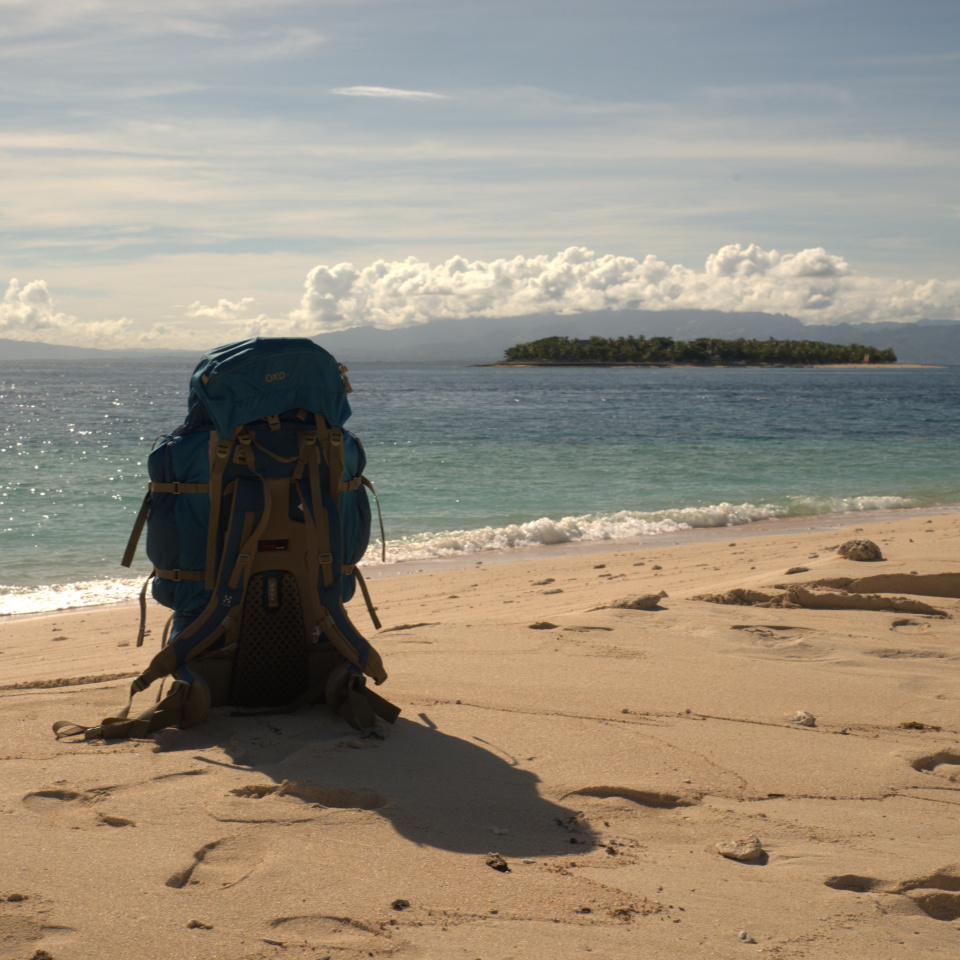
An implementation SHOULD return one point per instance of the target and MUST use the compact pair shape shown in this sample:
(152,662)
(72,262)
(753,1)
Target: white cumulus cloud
(812,285)
(224,310)
(27,312)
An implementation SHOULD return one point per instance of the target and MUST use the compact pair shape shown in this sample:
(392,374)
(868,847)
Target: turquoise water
(467,459)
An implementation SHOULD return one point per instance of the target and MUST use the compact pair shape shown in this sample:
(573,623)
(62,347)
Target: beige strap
(331,442)
(383,536)
(219,453)
(142,632)
(137,530)
(318,525)
(181,575)
(177,488)
(334,634)
(306,440)
(371,609)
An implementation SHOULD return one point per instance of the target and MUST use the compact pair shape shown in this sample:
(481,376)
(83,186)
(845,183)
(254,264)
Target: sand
(556,786)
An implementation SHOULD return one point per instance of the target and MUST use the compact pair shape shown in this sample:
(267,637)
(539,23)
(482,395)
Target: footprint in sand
(71,808)
(24,925)
(332,933)
(76,808)
(780,642)
(895,653)
(936,894)
(220,864)
(906,625)
(295,801)
(317,796)
(644,798)
(945,763)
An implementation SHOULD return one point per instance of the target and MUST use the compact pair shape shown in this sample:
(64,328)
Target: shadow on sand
(438,790)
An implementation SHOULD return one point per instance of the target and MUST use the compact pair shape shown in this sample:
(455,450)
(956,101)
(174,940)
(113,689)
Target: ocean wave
(623,525)
(17,601)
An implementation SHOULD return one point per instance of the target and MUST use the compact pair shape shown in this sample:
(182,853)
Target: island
(704,351)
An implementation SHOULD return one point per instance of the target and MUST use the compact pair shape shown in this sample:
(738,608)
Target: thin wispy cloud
(389,92)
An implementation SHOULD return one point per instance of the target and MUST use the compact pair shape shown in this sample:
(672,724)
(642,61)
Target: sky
(182,174)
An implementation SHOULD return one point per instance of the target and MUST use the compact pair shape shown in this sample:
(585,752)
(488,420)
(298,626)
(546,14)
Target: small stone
(864,550)
(744,850)
(542,625)
(543,583)
(745,937)
(656,566)
(804,719)
(199,925)
(496,862)
(599,566)
(400,904)
(797,570)
(645,601)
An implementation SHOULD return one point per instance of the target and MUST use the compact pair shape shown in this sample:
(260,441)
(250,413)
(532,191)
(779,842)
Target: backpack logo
(271,377)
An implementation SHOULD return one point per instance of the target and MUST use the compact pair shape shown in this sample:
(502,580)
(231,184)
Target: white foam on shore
(18,601)
(623,525)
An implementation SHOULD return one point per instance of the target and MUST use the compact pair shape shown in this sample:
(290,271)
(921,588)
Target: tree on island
(703,350)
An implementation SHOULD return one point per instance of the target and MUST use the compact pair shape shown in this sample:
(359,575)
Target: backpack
(256,516)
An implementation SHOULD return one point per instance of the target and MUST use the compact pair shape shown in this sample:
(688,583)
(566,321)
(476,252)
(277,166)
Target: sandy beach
(557,785)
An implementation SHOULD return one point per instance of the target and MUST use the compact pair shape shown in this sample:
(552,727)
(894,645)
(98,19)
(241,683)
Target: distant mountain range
(17,350)
(484,341)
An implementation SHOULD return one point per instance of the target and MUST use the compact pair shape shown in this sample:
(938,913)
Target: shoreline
(578,548)
(627,364)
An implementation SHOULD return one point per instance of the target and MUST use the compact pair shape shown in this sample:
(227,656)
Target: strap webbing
(383,536)
(331,442)
(371,609)
(219,452)
(142,632)
(137,530)
(181,574)
(177,488)
(318,518)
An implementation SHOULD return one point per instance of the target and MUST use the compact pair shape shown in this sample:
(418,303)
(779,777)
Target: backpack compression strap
(249,516)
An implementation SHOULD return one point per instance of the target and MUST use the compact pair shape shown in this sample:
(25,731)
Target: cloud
(27,312)
(389,92)
(224,310)
(812,285)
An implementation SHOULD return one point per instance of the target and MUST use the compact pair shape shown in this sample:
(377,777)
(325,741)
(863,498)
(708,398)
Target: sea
(472,459)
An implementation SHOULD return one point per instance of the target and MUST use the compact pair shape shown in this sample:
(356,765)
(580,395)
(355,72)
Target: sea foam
(622,525)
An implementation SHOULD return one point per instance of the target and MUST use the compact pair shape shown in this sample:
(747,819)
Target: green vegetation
(705,350)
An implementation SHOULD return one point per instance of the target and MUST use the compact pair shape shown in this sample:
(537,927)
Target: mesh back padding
(270,668)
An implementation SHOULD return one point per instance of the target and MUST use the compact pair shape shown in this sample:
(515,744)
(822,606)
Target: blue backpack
(256,516)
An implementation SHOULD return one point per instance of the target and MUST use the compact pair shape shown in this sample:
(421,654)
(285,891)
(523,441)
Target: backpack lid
(249,379)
